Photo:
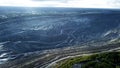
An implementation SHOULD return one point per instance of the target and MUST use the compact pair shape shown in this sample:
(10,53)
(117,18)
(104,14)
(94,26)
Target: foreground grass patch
(102,60)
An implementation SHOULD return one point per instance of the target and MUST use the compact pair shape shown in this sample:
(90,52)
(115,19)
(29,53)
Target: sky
(63,3)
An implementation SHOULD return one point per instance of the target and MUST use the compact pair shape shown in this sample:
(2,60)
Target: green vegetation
(102,60)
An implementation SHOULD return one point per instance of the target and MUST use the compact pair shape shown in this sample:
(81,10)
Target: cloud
(115,3)
(63,3)
(85,3)
(46,0)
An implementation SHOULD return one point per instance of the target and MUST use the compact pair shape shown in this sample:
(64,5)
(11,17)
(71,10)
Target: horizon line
(59,7)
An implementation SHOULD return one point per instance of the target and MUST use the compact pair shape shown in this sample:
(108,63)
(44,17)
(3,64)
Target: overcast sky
(63,3)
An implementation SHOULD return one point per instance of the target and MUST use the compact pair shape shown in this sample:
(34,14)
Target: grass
(102,60)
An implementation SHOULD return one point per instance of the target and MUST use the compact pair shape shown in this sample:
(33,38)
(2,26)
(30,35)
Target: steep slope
(37,32)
